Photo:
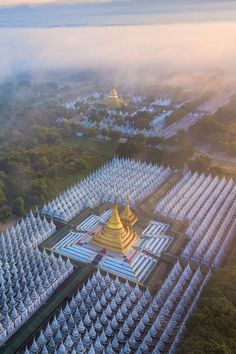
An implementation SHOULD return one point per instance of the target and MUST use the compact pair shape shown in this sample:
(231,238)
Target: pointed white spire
(86,340)
(98,347)
(61,349)
(34,347)
(41,341)
(81,328)
(91,350)
(80,349)
(68,343)
(115,343)
(92,332)
(108,330)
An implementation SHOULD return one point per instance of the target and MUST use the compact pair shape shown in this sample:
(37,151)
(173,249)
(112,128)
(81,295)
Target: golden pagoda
(113,100)
(128,217)
(114,236)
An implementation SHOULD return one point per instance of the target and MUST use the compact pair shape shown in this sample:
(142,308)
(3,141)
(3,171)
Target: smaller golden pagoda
(114,236)
(113,100)
(127,216)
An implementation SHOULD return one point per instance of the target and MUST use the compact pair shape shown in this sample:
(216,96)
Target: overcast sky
(33,2)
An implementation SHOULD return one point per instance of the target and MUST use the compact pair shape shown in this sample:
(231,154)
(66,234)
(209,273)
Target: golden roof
(113,93)
(114,236)
(127,215)
(114,221)
(113,100)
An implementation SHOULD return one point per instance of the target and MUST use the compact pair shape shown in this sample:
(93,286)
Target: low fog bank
(175,54)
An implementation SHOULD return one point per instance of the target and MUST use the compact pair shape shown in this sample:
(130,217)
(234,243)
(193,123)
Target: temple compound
(113,240)
(125,254)
(113,101)
(109,316)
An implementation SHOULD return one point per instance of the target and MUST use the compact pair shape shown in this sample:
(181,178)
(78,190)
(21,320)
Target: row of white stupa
(210,106)
(27,276)
(116,181)
(108,316)
(209,205)
(159,126)
(183,124)
(126,129)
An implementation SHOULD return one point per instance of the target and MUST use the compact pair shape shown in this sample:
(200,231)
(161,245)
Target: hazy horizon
(151,40)
(105,13)
(7,3)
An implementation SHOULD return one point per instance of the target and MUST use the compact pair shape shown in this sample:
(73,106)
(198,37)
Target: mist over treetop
(174,53)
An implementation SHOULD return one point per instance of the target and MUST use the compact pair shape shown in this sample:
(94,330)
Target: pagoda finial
(113,92)
(127,216)
(127,210)
(114,221)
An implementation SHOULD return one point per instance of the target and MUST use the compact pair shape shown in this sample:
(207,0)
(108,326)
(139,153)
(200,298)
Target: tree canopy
(212,326)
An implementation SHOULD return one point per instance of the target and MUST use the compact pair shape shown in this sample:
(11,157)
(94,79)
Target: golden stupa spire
(114,236)
(113,100)
(128,217)
(114,221)
(113,93)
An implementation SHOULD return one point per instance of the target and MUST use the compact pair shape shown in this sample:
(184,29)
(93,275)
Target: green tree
(67,130)
(217,171)
(201,164)
(156,156)
(43,162)
(39,133)
(3,176)
(176,116)
(127,150)
(78,165)
(53,136)
(18,207)
(139,140)
(114,135)
(38,191)
(5,214)
(153,141)
(2,197)
(91,132)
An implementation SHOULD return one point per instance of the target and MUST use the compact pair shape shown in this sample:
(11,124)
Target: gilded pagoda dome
(113,100)
(115,236)
(127,216)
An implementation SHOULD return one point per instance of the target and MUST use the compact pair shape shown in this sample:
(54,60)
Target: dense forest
(212,326)
(177,152)
(38,158)
(218,130)
(156,150)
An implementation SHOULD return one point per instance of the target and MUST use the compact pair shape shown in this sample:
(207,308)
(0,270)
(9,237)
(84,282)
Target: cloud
(128,52)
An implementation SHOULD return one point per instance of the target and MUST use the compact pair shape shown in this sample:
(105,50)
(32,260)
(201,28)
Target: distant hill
(116,12)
